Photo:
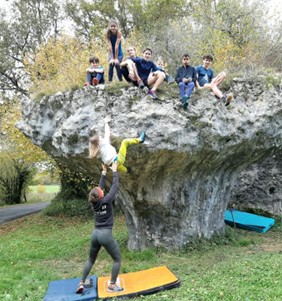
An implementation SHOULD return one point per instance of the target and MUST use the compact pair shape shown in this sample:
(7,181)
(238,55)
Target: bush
(41,188)
(15,177)
(70,208)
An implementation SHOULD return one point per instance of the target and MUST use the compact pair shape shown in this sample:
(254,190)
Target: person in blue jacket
(102,236)
(148,72)
(206,79)
(185,78)
(115,54)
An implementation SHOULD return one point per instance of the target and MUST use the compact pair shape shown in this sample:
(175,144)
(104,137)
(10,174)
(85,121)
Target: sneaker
(185,105)
(80,289)
(145,89)
(142,137)
(184,99)
(141,85)
(114,288)
(95,81)
(153,94)
(223,99)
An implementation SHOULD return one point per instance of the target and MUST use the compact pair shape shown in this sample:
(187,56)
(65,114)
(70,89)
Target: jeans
(186,89)
(91,75)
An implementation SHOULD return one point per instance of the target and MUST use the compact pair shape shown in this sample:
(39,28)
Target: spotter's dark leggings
(99,238)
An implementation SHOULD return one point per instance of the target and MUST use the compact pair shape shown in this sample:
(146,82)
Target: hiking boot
(152,94)
(114,288)
(142,137)
(80,289)
(95,81)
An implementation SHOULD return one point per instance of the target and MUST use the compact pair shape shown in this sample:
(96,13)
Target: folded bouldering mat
(248,221)
(139,283)
(65,290)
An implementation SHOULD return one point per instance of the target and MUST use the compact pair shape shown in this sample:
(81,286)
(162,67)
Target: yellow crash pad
(139,283)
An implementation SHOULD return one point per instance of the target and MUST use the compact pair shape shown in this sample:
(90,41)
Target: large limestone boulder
(184,173)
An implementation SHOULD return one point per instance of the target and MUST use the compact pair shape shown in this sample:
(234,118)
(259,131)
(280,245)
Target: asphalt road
(10,213)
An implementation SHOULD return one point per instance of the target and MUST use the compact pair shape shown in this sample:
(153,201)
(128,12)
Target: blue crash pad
(248,221)
(65,290)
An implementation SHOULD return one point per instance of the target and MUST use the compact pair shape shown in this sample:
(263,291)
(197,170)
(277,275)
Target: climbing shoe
(142,137)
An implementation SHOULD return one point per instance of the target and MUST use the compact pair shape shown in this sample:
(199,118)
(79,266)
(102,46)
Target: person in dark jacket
(186,80)
(102,235)
(148,73)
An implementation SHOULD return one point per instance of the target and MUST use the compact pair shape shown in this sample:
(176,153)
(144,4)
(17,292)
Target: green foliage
(41,193)
(74,185)
(233,31)
(59,66)
(47,188)
(30,24)
(46,178)
(14,140)
(18,156)
(90,18)
(115,88)
(70,208)
(15,177)
(273,81)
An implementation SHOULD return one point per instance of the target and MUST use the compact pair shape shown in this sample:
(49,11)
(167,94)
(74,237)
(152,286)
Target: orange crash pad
(139,283)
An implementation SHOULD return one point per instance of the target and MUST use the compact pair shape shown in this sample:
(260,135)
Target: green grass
(42,193)
(48,188)
(241,266)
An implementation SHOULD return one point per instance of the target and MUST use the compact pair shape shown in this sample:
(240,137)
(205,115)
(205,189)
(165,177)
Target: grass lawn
(45,188)
(37,249)
(42,193)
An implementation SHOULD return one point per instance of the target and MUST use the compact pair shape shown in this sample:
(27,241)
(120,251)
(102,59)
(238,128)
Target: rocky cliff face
(184,173)
(259,187)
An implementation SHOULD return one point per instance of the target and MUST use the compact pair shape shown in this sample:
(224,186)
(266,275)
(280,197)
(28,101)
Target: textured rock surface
(260,187)
(184,173)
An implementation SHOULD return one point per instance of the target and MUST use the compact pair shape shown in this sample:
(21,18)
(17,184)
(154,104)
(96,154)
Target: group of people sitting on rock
(145,74)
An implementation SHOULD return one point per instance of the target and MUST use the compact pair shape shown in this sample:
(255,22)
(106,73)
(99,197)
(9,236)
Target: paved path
(13,212)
